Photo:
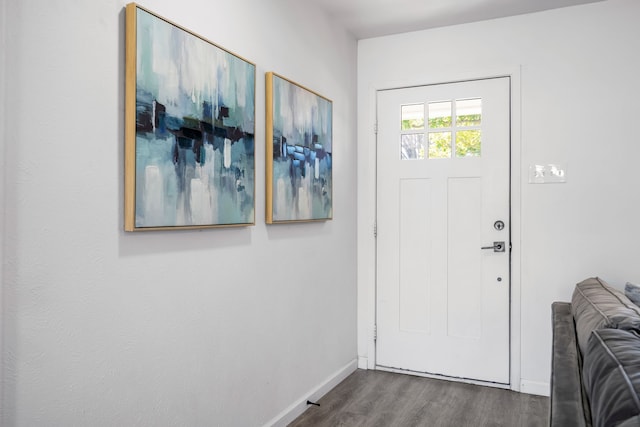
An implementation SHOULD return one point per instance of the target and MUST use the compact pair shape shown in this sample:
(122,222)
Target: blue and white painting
(195,126)
(302,162)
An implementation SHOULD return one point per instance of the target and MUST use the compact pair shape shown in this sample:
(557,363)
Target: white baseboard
(534,387)
(298,407)
(363,362)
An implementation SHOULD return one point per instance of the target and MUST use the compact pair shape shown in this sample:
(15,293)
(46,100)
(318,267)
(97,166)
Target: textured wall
(218,327)
(579,91)
(3,165)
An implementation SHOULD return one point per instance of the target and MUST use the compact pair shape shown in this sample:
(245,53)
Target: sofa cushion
(611,373)
(632,292)
(596,305)
(631,422)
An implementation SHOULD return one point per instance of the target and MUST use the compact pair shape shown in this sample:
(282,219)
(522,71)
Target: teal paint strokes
(195,127)
(302,154)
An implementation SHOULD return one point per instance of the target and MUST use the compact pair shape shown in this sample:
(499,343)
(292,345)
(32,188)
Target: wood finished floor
(384,399)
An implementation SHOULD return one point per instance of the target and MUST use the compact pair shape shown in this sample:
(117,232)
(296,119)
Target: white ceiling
(373,18)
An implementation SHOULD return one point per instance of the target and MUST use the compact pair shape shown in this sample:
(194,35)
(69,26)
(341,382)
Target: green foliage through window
(412,124)
(468,143)
(440,122)
(439,145)
(469,120)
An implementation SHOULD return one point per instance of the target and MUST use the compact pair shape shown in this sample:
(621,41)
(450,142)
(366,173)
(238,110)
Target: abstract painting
(189,129)
(299,183)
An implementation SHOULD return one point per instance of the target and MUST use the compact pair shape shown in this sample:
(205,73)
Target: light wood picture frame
(299,160)
(189,129)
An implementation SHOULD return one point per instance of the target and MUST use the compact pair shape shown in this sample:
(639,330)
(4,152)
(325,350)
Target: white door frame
(366,244)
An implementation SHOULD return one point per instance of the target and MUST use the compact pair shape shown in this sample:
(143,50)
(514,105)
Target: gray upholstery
(632,291)
(631,422)
(612,376)
(596,305)
(569,407)
(611,369)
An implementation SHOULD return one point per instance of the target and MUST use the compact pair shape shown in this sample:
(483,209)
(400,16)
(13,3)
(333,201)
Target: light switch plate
(550,173)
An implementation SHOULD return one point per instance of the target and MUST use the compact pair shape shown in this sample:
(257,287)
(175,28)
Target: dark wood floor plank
(385,399)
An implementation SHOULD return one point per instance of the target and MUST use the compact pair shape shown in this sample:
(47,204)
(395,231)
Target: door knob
(497,247)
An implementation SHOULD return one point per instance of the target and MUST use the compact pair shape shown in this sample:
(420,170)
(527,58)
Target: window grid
(452,129)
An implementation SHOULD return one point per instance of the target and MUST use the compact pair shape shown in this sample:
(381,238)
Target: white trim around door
(366,259)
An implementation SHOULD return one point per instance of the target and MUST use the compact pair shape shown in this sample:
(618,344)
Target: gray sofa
(595,372)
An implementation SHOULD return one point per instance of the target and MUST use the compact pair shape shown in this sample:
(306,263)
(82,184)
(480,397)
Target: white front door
(443,195)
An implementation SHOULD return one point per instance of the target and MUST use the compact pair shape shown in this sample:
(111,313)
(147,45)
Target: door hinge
(375,230)
(375,332)
(375,128)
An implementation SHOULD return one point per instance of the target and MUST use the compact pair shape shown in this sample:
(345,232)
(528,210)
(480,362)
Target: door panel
(443,180)
(414,293)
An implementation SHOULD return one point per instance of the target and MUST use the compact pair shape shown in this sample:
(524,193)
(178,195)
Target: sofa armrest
(569,406)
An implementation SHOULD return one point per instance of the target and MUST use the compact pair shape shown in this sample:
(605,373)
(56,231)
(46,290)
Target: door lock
(498,225)
(497,247)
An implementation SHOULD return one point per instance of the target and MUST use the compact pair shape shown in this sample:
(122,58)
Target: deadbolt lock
(498,225)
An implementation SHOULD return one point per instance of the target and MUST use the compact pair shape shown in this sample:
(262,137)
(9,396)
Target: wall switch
(547,174)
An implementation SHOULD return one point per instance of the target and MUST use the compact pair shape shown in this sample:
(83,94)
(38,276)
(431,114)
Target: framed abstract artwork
(299,162)
(189,129)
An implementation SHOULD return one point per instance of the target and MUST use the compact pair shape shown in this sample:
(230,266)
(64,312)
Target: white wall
(3,165)
(228,327)
(579,93)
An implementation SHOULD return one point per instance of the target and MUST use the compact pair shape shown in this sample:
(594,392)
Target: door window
(454,129)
